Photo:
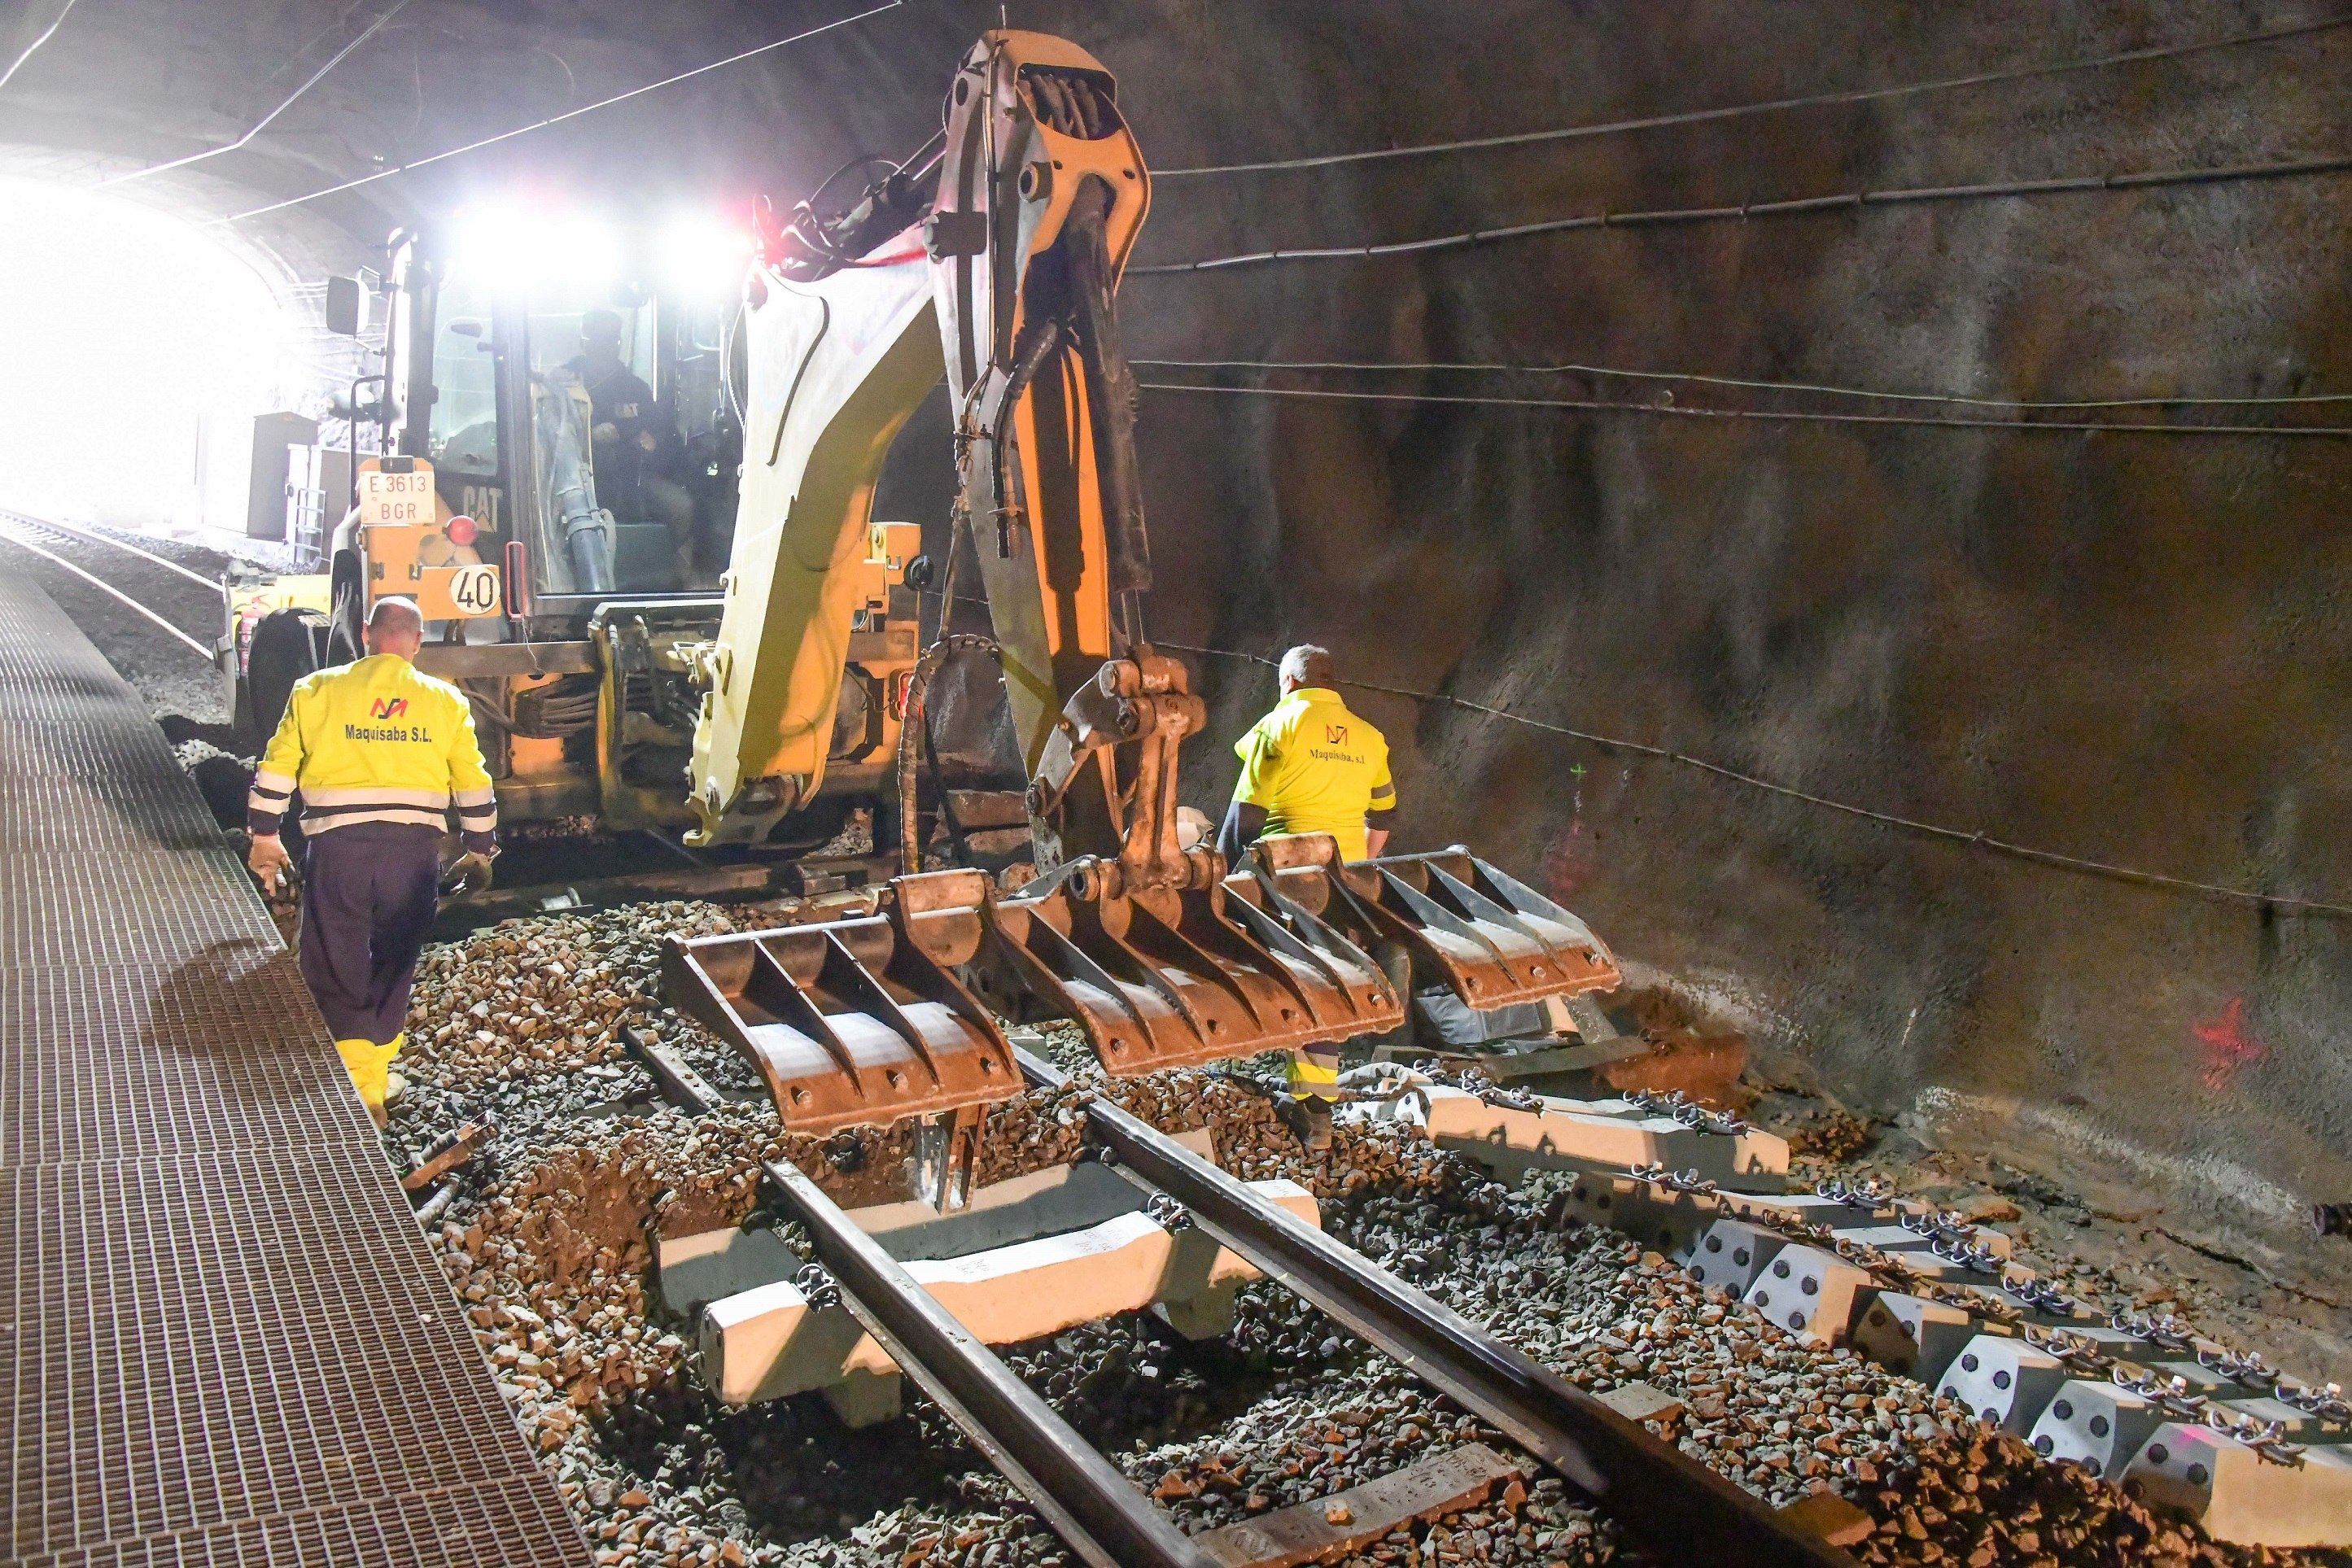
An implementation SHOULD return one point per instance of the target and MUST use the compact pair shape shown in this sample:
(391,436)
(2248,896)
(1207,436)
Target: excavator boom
(993,258)
(836,366)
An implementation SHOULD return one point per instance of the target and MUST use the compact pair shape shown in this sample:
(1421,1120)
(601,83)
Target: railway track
(2143,1402)
(1218,1435)
(1675,1506)
(2193,1426)
(2190,1425)
(42,536)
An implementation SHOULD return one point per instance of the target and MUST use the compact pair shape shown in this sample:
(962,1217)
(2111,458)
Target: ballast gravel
(549,1246)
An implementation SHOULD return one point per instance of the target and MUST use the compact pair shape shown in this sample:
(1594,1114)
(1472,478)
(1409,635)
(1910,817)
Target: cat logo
(1334,734)
(388,707)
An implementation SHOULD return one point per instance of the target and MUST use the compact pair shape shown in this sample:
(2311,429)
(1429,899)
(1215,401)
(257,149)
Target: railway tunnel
(1833,514)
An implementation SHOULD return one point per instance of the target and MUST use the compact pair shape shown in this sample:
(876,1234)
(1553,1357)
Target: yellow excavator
(993,257)
(568,561)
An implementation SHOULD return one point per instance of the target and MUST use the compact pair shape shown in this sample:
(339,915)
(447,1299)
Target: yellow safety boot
(369,1065)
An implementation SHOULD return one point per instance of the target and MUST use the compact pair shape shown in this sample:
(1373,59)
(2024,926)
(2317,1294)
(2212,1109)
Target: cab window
(598,386)
(463,433)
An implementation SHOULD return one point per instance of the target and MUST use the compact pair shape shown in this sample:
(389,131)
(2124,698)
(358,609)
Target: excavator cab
(588,422)
(558,436)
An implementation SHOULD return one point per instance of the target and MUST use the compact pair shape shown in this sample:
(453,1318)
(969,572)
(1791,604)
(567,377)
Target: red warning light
(461,529)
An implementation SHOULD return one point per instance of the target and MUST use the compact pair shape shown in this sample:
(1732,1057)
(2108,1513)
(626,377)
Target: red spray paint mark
(2228,1045)
(1568,859)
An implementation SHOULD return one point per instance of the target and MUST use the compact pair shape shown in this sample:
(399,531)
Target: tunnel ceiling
(2131,648)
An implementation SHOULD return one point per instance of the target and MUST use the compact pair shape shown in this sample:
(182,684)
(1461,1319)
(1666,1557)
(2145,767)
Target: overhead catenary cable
(264,123)
(101,583)
(1770,106)
(554,119)
(1702,379)
(1973,840)
(1761,415)
(1794,206)
(35,46)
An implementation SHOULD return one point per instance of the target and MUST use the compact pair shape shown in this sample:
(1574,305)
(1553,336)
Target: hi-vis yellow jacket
(1317,768)
(375,742)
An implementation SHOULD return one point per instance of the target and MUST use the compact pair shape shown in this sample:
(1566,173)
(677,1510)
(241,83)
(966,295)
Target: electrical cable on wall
(1701,378)
(1791,207)
(264,123)
(1762,417)
(1976,840)
(1771,106)
(559,118)
(35,46)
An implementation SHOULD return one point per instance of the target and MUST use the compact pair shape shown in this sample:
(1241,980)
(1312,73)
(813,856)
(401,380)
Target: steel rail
(676,1077)
(1098,1511)
(207,654)
(1682,1509)
(213,583)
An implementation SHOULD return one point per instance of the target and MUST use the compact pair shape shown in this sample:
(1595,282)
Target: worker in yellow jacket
(1311,765)
(381,753)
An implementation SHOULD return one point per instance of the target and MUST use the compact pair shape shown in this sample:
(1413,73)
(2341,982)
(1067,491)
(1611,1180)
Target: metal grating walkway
(222,1338)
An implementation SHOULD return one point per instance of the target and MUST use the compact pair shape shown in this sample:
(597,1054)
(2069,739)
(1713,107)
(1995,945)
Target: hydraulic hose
(587,548)
(911,725)
(1110,396)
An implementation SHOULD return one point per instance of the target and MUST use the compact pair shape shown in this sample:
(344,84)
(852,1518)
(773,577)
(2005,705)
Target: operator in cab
(381,753)
(623,404)
(1311,765)
(633,445)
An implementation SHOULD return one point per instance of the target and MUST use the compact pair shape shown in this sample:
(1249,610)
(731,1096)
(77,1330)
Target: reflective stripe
(485,796)
(485,823)
(361,808)
(377,795)
(373,741)
(317,825)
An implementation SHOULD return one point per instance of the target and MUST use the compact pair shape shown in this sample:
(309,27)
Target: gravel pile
(1771,1411)
(545,995)
(1987,1501)
(222,778)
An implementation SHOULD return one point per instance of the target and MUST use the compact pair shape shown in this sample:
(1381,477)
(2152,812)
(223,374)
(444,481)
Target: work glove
(269,862)
(469,873)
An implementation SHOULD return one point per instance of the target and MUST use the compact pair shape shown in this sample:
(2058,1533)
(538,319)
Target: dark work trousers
(369,894)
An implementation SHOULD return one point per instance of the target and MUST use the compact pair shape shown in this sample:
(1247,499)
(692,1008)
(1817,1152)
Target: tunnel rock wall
(2128,648)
